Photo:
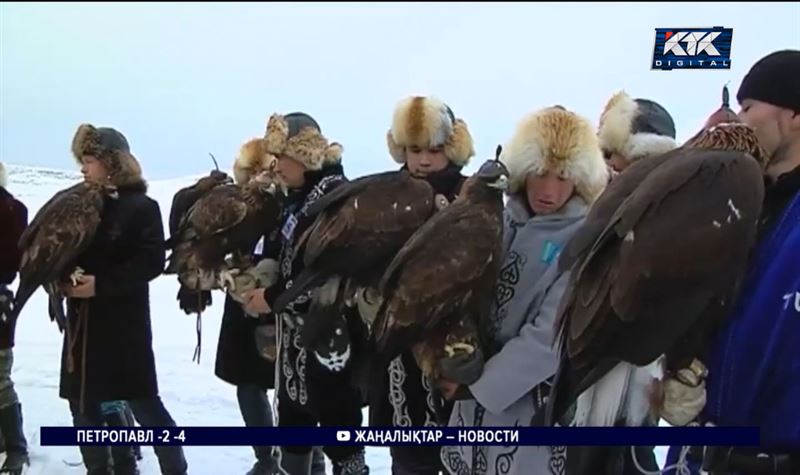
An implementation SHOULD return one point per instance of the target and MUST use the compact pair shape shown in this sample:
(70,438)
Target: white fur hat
(427,122)
(554,139)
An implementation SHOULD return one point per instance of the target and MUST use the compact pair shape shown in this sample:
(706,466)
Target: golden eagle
(61,230)
(184,198)
(226,219)
(438,289)
(654,269)
(357,230)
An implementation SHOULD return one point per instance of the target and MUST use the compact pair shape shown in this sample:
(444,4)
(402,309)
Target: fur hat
(298,136)
(252,160)
(3,176)
(635,128)
(554,139)
(427,122)
(111,148)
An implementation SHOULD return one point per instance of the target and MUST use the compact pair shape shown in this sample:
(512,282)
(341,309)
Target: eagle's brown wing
(45,210)
(358,229)
(440,273)
(665,267)
(62,229)
(218,211)
(380,215)
(201,239)
(606,205)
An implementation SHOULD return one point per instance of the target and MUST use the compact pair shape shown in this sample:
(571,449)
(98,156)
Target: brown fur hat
(557,140)
(427,122)
(298,136)
(111,148)
(252,160)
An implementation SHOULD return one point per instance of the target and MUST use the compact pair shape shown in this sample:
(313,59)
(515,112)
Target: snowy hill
(191,392)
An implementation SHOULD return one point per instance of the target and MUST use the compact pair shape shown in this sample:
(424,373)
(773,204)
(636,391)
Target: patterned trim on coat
(558,460)
(505,290)
(504,461)
(479,463)
(430,411)
(397,396)
(294,369)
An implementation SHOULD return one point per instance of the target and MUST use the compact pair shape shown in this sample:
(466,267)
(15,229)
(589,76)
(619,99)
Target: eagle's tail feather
(55,307)
(24,293)
(326,306)
(558,401)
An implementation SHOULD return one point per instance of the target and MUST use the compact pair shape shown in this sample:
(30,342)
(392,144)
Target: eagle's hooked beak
(500,184)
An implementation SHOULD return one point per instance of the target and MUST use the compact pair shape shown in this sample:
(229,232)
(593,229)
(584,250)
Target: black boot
(16,445)
(352,465)
(124,456)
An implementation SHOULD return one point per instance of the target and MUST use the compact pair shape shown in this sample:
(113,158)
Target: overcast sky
(182,81)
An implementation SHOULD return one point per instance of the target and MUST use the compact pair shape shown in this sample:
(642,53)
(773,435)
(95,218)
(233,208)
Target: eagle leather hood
(298,136)
(111,148)
(554,139)
(427,122)
(635,128)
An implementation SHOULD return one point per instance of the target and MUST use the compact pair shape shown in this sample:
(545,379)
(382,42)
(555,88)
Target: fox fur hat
(111,148)
(559,141)
(252,160)
(298,136)
(635,128)
(427,122)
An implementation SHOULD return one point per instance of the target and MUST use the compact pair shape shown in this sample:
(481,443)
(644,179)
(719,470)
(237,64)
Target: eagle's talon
(227,278)
(454,348)
(77,276)
(464,366)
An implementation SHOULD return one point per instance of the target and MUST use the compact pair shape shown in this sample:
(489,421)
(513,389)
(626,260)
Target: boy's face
(422,162)
(547,193)
(617,161)
(93,169)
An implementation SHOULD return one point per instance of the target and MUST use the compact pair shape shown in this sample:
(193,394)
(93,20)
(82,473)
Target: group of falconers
(582,276)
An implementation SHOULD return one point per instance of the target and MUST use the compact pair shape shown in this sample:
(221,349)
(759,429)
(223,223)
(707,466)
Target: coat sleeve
(13,221)
(145,263)
(531,353)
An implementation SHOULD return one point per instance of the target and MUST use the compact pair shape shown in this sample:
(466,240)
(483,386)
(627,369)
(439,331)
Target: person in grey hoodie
(557,170)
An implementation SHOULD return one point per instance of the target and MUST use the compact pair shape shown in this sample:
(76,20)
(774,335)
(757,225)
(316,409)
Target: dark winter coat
(296,364)
(238,360)
(125,255)
(13,221)
(403,397)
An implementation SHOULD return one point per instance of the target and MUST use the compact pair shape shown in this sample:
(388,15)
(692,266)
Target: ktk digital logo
(692,48)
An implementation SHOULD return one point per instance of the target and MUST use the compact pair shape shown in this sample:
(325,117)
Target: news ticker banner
(501,436)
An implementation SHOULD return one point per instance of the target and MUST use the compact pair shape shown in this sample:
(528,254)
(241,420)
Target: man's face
(765,119)
(291,171)
(777,130)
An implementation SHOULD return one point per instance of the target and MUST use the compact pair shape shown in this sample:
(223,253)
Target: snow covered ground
(191,392)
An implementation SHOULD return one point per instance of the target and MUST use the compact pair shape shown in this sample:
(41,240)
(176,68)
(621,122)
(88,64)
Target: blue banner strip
(503,436)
